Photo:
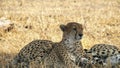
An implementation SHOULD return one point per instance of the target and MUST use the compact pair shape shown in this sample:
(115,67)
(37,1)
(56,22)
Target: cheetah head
(72,32)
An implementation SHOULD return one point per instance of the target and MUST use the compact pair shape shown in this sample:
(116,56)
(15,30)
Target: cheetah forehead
(74,25)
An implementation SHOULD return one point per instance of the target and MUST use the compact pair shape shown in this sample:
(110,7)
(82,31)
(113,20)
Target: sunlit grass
(35,19)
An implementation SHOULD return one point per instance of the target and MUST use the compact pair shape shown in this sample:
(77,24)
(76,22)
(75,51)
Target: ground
(40,19)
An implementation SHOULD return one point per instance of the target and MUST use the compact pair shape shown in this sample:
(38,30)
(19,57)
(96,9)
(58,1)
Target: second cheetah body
(104,50)
(101,53)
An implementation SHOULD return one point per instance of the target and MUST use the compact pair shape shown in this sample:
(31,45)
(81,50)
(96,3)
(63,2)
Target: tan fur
(66,53)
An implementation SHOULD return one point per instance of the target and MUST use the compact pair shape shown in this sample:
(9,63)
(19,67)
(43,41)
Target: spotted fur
(35,50)
(101,53)
(104,50)
(66,53)
(69,51)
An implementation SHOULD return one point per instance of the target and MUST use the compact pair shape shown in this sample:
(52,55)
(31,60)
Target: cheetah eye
(74,28)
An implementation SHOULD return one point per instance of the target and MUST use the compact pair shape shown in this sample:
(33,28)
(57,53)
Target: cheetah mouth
(81,37)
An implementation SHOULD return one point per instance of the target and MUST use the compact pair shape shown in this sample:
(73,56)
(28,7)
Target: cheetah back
(37,49)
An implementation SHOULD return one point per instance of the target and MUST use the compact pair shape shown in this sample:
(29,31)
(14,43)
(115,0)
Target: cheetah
(64,54)
(101,53)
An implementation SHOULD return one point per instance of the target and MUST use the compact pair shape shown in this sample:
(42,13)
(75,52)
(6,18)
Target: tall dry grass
(40,19)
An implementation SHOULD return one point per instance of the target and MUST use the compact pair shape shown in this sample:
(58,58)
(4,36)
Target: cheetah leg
(23,65)
(50,66)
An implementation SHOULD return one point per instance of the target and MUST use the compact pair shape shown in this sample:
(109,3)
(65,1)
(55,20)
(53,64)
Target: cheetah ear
(62,27)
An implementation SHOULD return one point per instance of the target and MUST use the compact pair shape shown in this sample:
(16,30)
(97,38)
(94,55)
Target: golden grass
(40,19)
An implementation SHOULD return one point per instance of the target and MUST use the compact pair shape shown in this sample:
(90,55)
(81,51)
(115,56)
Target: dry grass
(40,19)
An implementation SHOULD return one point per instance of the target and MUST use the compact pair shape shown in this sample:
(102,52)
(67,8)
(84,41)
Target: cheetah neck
(69,43)
(72,49)
(71,46)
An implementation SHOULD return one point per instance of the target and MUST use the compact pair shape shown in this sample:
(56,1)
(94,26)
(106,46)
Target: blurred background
(22,21)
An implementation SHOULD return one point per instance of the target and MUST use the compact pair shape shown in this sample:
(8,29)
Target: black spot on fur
(103,52)
(113,52)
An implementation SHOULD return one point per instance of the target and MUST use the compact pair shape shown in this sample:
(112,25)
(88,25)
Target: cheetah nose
(80,35)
